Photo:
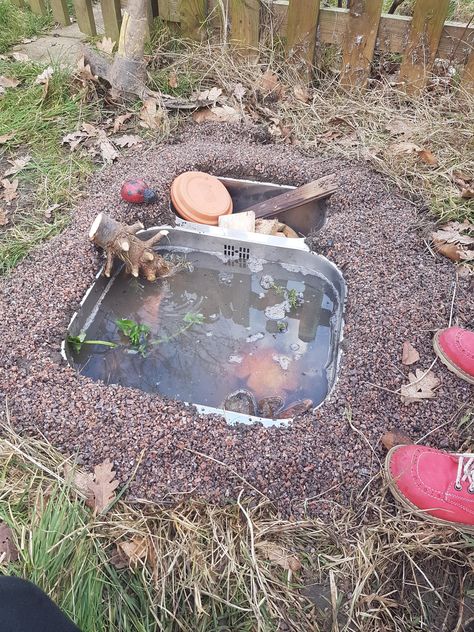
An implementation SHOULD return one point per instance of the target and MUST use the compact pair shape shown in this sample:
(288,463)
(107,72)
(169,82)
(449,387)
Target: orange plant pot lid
(200,197)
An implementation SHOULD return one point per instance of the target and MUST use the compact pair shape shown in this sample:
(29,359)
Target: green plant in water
(190,319)
(76,342)
(294,298)
(136,333)
(282,326)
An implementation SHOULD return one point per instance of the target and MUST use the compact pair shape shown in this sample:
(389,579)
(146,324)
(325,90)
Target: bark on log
(119,240)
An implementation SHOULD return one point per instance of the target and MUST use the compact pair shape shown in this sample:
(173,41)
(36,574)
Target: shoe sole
(448,363)
(460,526)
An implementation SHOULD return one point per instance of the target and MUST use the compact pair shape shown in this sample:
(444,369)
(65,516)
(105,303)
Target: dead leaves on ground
(151,115)
(95,140)
(8,550)
(455,240)
(9,192)
(43,79)
(98,488)
(409,354)
(422,385)
(18,164)
(395,437)
(279,555)
(406,147)
(106,45)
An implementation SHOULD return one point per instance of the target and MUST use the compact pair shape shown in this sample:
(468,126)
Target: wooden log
(359,42)
(467,81)
(303,18)
(38,7)
(85,17)
(192,15)
(245,25)
(423,39)
(60,12)
(112,15)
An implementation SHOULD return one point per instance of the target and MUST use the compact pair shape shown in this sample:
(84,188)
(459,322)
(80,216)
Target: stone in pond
(269,407)
(298,408)
(241,401)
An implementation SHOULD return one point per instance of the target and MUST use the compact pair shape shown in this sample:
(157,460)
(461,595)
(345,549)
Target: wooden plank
(112,16)
(244,18)
(359,42)
(192,16)
(38,7)
(425,33)
(301,32)
(85,17)
(60,12)
(467,80)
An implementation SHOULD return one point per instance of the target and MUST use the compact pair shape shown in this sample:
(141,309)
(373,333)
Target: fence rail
(359,31)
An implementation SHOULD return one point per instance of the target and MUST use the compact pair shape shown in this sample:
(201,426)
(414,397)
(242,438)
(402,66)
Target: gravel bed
(397,291)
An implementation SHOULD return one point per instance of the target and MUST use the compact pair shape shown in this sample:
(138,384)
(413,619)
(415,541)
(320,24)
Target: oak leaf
(134,550)
(106,45)
(45,76)
(107,150)
(278,554)
(128,140)
(17,165)
(409,354)
(301,93)
(73,139)
(8,550)
(8,82)
(269,84)
(467,193)
(404,148)
(422,385)
(239,91)
(428,157)
(120,120)
(451,251)
(453,232)
(3,217)
(151,114)
(9,189)
(102,487)
(395,437)
(84,72)
(4,138)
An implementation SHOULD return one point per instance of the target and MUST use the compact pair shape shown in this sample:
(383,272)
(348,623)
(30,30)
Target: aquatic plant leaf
(76,342)
(8,550)
(193,319)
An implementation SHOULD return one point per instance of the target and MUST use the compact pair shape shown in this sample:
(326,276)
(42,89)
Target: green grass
(54,174)
(17,24)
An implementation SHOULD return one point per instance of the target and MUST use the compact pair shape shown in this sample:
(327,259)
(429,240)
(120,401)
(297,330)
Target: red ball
(137,191)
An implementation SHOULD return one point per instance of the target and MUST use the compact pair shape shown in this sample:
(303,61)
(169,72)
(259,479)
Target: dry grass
(361,126)
(200,567)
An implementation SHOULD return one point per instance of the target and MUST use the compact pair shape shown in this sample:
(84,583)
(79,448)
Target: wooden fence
(358,31)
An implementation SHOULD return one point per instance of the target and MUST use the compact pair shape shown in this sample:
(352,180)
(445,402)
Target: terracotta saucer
(200,197)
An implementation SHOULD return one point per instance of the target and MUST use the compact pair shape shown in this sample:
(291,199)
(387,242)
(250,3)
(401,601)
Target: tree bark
(119,241)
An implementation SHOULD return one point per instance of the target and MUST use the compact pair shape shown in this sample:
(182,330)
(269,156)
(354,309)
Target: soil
(397,291)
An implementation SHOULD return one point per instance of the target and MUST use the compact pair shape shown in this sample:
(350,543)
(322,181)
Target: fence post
(425,32)
(192,15)
(61,12)
(359,42)
(38,7)
(85,16)
(301,33)
(112,15)
(245,25)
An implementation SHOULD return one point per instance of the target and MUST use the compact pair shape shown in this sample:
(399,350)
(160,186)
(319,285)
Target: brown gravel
(397,291)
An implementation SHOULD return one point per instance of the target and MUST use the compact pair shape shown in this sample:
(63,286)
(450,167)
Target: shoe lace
(465,472)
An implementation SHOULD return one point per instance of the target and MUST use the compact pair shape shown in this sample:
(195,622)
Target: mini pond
(255,316)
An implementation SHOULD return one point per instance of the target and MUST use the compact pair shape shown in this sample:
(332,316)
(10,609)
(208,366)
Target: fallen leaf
(133,550)
(127,140)
(9,189)
(48,212)
(269,83)
(173,79)
(107,150)
(118,559)
(151,115)
(74,139)
(102,487)
(28,40)
(395,437)
(84,72)
(209,95)
(6,137)
(17,165)
(220,113)
(468,193)
(3,217)
(452,232)
(17,56)
(239,91)
(463,176)
(428,157)
(90,130)
(82,481)
(8,550)
(467,255)
(301,93)
(404,148)
(120,120)
(422,385)
(278,554)
(45,76)
(106,45)
(8,82)
(399,127)
(451,251)
(409,354)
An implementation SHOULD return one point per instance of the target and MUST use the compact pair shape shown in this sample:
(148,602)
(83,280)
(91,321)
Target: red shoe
(455,348)
(435,484)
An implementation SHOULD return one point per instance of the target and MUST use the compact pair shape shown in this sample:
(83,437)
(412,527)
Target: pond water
(215,328)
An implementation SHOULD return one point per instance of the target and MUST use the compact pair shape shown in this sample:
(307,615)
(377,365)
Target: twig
(452,303)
